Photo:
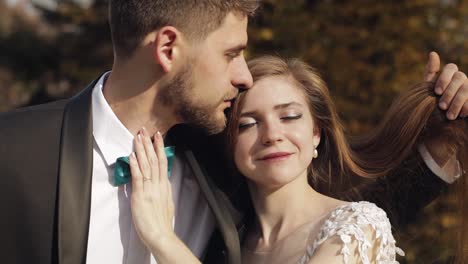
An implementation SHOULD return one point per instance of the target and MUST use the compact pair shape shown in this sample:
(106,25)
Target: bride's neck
(281,210)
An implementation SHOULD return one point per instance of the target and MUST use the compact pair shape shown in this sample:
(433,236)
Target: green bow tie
(122,173)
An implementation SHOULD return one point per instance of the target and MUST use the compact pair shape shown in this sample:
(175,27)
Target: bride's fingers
(169,199)
(164,184)
(151,155)
(159,146)
(142,158)
(137,178)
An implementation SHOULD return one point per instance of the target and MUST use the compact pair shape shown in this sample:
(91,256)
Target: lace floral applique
(349,223)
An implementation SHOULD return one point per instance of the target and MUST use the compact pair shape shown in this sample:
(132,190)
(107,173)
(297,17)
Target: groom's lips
(229,99)
(228,103)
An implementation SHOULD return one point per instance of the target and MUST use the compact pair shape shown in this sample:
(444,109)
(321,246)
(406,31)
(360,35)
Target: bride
(285,139)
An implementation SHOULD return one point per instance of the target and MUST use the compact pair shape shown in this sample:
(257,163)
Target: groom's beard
(179,94)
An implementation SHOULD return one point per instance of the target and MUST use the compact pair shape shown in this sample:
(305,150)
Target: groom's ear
(166,48)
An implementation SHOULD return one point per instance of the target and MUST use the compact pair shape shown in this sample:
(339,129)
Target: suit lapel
(74,180)
(223,217)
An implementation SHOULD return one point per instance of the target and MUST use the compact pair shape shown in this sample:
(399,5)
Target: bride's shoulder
(360,230)
(357,220)
(361,213)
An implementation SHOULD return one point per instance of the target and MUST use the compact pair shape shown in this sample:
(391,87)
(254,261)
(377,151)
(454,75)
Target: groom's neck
(131,92)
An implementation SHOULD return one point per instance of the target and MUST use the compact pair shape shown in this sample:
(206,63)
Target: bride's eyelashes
(250,123)
(291,117)
(243,126)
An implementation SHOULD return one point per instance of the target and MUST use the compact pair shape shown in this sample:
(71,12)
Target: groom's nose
(241,77)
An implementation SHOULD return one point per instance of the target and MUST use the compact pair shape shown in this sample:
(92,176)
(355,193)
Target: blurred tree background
(366,50)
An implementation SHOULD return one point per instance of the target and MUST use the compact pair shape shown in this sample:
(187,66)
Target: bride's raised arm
(152,204)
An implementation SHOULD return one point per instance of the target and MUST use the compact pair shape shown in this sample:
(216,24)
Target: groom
(175,62)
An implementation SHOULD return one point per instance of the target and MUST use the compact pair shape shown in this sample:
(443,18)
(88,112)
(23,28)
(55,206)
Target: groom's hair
(132,20)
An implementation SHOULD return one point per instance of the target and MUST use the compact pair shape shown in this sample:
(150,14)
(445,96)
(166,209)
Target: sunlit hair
(413,116)
(131,20)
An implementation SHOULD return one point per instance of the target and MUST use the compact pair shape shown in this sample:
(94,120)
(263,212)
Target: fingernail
(133,155)
(139,137)
(143,131)
(438,90)
(451,116)
(443,105)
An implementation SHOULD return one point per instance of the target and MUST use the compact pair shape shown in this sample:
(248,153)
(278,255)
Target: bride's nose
(271,133)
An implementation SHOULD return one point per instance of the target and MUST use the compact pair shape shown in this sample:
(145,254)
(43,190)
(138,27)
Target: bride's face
(276,136)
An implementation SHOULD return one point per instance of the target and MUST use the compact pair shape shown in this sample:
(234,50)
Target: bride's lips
(276,156)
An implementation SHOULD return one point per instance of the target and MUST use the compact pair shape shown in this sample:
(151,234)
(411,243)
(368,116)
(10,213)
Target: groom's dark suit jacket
(46,167)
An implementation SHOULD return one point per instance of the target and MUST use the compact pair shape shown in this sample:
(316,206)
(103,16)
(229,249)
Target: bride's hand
(151,200)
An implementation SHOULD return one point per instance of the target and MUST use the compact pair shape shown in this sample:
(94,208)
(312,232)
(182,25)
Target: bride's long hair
(413,117)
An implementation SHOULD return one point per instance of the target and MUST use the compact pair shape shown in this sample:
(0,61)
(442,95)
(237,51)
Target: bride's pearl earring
(315,153)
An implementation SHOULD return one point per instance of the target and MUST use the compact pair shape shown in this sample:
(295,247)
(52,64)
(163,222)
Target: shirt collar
(111,136)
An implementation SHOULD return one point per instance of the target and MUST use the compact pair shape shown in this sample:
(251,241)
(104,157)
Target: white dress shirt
(112,235)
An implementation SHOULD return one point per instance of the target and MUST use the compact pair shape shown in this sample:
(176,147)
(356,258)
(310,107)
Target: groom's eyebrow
(237,48)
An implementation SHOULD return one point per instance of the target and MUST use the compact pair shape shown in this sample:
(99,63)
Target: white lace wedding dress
(362,224)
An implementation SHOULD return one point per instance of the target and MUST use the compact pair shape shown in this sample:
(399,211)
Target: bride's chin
(270,184)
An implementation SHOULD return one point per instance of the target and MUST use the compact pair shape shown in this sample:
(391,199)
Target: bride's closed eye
(250,122)
(244,124)
(291,117)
